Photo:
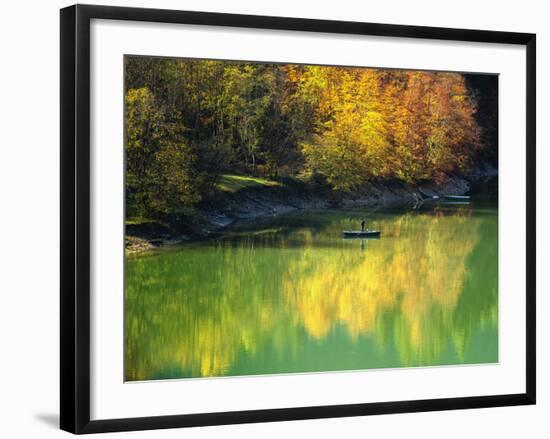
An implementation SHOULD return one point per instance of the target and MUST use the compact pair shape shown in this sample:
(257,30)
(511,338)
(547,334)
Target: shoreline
(250,204)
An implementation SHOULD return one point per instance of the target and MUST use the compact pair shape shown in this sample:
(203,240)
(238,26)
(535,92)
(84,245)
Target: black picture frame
(75,217)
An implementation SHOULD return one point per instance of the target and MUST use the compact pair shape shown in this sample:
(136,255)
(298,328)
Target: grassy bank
(234,183)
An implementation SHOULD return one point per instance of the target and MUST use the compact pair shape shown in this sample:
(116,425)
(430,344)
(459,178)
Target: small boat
(457,197)
(427,197)
(361,233)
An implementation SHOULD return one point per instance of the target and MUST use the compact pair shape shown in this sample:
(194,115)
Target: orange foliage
(372,123)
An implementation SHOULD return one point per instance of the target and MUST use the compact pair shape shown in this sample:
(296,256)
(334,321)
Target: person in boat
(363,225)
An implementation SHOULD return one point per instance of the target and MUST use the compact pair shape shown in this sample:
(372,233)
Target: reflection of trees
(192,313)
(412,279)
(181,318)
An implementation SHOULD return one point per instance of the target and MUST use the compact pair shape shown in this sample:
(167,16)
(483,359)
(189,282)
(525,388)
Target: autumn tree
(159,175)
(190,121)
(407,125)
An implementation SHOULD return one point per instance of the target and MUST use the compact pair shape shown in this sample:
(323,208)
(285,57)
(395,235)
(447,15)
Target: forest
(189,124)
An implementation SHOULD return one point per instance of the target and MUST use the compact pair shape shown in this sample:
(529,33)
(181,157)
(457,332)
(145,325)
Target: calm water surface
(290,295)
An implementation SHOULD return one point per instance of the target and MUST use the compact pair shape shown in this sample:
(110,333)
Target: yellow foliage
(375,123)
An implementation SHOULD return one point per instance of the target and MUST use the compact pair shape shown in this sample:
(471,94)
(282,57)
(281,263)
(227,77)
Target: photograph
(275,219)
(293,218)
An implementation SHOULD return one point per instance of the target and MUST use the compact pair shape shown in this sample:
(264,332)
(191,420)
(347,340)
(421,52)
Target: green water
(289,295)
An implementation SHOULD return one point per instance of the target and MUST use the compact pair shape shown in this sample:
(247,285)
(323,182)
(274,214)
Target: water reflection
(292,296)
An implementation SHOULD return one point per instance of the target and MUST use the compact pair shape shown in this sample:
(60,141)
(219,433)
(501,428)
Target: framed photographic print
(267,218)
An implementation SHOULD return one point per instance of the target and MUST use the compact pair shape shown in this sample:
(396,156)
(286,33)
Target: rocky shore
(249,204)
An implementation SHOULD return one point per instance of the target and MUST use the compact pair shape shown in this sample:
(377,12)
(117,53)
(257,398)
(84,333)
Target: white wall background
(29,203)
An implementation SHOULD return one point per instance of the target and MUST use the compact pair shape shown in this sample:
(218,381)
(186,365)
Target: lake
(288,294)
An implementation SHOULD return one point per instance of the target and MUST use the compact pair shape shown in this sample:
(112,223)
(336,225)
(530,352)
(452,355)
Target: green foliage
(159,174)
